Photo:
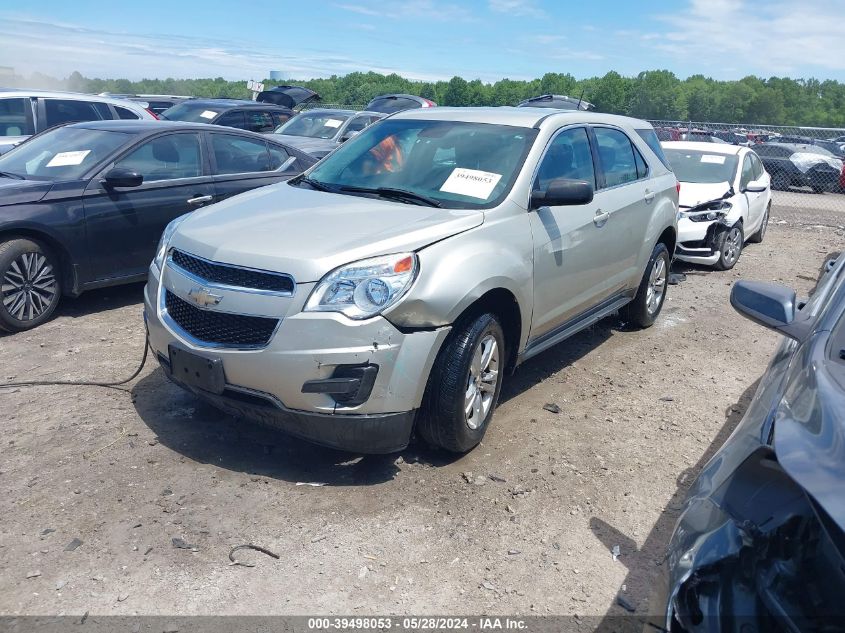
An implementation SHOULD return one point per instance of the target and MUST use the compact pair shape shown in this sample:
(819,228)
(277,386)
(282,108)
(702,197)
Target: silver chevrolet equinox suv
(392,286)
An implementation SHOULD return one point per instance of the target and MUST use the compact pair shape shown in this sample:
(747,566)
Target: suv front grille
(233,275)
(219,328)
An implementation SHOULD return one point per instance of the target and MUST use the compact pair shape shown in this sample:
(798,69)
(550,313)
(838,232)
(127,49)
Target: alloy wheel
(656,285)
(482,382)
(732,246)
(28,286)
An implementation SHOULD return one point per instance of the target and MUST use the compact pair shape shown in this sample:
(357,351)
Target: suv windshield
(314,124)
(61,154)
(191,112)
(458,165)
(703,167)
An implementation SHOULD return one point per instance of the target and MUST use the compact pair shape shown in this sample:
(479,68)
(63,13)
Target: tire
(29,284)
(443,421)
(761,232)
(729,242)
(647,303)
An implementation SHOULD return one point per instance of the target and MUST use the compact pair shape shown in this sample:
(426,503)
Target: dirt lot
(524,524)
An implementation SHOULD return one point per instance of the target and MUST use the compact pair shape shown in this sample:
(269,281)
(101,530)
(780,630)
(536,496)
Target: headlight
(169,230)
(366,288)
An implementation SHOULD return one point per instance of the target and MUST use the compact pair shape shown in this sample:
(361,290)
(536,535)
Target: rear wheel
(643,310)
(29,286)
(729,242)
(464,385)
(761,232)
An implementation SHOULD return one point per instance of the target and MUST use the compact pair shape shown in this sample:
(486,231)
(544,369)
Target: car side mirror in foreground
(756,186)
(562,192)
(119,177)
(771,305)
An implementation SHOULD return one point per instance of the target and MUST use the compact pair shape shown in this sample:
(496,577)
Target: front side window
(65,153)
(15,117)
(616,154)
(60,111)
(568,156)
(238,155)
(357,124)
(166,158)
(314,125)
(235,118)
(278,156)
(455,164)
(758,166)
(747,173)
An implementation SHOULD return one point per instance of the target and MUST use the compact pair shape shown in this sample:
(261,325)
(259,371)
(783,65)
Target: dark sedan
(252,116)
(760,542)
(793,165)
(83,206)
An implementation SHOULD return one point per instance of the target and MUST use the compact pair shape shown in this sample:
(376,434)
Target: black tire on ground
(644,309)
(29,284)
(442,419)
(761,232)
(727,260)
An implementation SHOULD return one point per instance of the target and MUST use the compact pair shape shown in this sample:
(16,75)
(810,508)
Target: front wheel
(464,385)
(729,242)
(643,310)
(29,286)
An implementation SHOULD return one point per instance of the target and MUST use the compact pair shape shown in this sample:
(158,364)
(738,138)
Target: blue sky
(423,39)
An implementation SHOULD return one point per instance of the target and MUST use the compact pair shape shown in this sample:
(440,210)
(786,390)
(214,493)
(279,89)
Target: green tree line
(653,94)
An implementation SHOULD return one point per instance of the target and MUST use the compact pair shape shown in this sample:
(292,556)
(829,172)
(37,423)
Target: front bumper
(268,384)
(696,241)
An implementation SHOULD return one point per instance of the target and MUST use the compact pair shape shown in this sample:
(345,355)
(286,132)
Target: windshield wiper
(8,174)
(316,184)
(395,194)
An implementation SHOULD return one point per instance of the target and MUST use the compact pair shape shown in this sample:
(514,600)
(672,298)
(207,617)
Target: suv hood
(14,191)
(308,233)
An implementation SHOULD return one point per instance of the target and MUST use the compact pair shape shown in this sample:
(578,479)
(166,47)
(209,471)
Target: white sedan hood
(693,193)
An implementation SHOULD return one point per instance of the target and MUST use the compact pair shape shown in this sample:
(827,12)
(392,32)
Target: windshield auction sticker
(471,182)
(208,114)
(332,123)
(713,158)
(65,159)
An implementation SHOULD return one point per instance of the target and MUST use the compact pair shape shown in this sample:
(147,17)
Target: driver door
(756,200)
(124,224)
(567,239)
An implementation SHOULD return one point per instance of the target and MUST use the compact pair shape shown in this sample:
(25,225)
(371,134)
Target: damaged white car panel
(725,199)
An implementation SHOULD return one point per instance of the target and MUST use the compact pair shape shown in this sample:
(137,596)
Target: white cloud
(57,49)
(778,37)
(526,8)
(410,9)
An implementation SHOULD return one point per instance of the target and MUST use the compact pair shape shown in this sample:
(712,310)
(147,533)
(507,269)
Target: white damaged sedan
(725,200)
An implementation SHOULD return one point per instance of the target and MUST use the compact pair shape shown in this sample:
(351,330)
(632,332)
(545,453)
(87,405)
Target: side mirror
(563,192)
(770,305)
(349,135)
(756,186)
(119,177)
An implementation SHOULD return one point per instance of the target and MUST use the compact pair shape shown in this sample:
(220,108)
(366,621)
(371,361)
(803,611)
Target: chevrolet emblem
(203,297)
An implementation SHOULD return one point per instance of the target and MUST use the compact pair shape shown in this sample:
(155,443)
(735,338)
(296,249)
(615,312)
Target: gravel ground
(524,524)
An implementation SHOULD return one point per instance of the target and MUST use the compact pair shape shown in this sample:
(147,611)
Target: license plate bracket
(196,371)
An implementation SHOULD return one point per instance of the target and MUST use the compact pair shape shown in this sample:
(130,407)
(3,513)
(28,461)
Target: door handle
(601,217)
(649,196)
(200,200)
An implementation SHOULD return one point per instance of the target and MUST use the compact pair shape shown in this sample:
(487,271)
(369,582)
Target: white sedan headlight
(365,288)
(168,232)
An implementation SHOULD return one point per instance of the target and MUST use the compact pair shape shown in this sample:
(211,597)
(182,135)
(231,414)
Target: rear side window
(259,121)
(616,154)
(392,104)
(650,138)
(166,158)
(60,111)
(15,117)
(125,113)
(238,155)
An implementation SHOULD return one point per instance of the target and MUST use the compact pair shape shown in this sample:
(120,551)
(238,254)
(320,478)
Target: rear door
(240,163)
(125,224)
(626,193)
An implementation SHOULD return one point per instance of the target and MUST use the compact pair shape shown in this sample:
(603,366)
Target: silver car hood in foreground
(308,233)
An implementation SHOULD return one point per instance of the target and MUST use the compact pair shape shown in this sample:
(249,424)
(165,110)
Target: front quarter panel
(459,270)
